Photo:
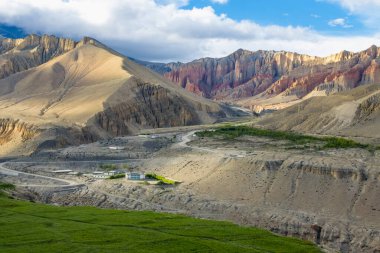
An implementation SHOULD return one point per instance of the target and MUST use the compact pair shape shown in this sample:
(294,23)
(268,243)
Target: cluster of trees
(122,175)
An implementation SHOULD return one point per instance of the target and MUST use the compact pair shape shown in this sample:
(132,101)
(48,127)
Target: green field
(31,227)
(232,132)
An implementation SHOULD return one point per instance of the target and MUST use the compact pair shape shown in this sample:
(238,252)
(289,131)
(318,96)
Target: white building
(116,148)
(111,173)
(100,176)
(135,176)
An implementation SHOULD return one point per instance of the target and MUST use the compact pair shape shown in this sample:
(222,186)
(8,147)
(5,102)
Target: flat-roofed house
(135,176)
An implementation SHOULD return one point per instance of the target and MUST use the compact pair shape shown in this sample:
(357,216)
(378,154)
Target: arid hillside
(354,113)
(86,93)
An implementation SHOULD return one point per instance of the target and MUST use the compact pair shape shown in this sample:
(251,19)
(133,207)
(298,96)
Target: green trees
(4,187)
(161,179)
(121,175)
(232,132)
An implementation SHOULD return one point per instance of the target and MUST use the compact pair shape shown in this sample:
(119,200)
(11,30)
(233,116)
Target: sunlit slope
(353,113)
(100,93)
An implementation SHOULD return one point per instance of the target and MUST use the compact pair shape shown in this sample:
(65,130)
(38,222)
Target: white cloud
(339,22)
(220,1)
(163,31)
(177,3)
(368,10)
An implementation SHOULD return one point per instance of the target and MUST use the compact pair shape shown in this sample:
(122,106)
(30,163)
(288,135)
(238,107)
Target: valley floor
(327,196)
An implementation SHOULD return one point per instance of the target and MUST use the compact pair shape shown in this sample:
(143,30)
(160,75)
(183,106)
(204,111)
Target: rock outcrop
(17,55)
(153,107)
(21,54)
(9,128)
(367,109)
(218,78)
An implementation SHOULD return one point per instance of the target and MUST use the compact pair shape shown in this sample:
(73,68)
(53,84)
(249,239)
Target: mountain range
(273,80)
(58,91)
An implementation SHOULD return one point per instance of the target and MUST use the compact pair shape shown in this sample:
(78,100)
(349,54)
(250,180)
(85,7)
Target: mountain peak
(372,49)
(241,51)
(89,41)
(373,46)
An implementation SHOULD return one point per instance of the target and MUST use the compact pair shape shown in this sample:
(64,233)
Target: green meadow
(32,227)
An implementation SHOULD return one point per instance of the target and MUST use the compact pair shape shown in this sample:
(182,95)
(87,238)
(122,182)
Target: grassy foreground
(232,132)
(31,227)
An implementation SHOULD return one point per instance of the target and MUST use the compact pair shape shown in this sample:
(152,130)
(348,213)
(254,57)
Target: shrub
(122,175)
(6,186)
(335,142)
(162,180)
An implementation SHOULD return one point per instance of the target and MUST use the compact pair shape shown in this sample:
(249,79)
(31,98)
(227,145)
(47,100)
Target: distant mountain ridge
(13,32)
(266,74)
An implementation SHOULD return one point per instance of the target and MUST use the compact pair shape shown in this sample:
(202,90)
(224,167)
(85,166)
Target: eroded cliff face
(151,107)
(367,108)
(245,74)
(9,128)
(16,137)
(17,55)
(215,78)
(343,71)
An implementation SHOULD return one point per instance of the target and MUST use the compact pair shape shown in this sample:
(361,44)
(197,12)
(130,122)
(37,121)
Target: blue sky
(309,13)
(183,30)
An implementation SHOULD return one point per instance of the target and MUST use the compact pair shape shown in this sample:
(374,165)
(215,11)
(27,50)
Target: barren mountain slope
(353,113)
(93,92)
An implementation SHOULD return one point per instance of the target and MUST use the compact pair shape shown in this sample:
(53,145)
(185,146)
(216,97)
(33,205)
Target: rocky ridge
(21,54)
(245,74)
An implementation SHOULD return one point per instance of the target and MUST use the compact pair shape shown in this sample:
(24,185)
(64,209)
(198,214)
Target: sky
(184,30)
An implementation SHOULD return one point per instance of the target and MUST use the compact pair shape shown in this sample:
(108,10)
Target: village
(120,171)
